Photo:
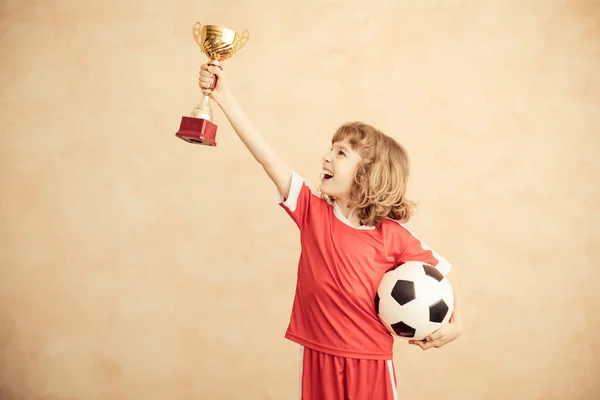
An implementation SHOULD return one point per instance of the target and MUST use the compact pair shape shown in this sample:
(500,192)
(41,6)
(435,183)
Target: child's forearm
(273,165)
(246,130)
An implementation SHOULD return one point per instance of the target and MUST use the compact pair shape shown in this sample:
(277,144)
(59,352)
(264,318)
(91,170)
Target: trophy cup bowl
(219,44)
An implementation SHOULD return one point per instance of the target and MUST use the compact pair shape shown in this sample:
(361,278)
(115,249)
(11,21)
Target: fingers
(215,69)
(419,343)
(207,76)
(435,336)
(425,344)
(206,79)
(206,82)
(209,69)
(429,345)
(439,338)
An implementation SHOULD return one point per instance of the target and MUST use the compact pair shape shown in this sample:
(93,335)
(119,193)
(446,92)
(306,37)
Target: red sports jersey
(339,272)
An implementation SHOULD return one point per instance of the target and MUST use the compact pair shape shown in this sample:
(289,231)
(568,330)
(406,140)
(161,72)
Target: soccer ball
(414,300)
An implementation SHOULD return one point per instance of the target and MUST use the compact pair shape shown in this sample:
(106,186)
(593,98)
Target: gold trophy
(218,44)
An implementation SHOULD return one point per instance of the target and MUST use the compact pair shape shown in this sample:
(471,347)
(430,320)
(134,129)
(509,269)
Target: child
(351,235)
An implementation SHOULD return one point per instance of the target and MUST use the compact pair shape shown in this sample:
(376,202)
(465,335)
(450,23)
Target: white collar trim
(339,215)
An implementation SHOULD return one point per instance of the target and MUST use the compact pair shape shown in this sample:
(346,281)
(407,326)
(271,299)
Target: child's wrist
(225,99)
(456,321)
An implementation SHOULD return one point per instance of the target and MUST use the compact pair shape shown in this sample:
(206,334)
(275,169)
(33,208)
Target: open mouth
(327,175)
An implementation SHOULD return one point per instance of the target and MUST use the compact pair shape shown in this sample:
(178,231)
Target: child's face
(339,165)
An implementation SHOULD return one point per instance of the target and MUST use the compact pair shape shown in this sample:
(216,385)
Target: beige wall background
(137,266)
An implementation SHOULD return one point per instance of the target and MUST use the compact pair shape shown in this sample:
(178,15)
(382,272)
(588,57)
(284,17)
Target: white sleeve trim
(443,265)
(295,188)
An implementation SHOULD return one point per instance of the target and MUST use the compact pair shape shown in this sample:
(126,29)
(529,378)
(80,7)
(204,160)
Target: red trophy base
(197,131)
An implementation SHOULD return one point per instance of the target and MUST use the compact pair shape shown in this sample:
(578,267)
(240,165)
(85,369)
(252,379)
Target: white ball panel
(427,289)
(415,313)
(389,309)
(387,284)
(410,271)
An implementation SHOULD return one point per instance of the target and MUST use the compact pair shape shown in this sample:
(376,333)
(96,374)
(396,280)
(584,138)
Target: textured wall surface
(137,266)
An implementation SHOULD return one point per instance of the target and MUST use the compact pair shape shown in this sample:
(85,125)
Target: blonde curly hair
(380,179)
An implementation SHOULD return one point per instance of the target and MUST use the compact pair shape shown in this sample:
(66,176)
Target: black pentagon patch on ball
(433,272)
(438,311)
(403,330)
(403,292)
(376,303)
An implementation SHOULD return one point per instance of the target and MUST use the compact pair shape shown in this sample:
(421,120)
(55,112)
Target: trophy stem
(203,110)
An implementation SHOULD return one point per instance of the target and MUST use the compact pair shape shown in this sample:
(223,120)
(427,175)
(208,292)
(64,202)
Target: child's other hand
(206,80)
(441,337)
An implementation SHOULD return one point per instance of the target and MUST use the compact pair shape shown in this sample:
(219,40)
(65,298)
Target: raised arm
(275,167)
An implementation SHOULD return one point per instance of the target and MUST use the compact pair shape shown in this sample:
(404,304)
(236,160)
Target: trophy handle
(196,31)
(243,41)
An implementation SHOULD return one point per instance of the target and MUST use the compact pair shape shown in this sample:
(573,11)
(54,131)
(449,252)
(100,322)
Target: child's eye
(341,153)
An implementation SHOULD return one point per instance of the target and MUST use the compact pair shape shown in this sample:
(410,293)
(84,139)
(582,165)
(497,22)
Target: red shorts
(327,377)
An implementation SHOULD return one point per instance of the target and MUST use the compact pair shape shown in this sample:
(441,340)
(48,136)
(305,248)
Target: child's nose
(327,157)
